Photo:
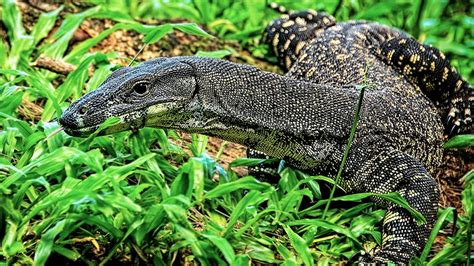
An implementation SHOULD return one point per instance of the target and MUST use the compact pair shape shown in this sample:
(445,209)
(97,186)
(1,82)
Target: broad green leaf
(223,245)
(253,197)
(44,25)
(81,49)
(71,254)
(60,39)
(75,81)
(198,144)
(434,232)
(183,184)
(206,9)
(157,33)
(3,54)
(11,243)
(99,76)
(460,141)
(299,245)
(288,256)
(325,225)
(250,162)
(247,182)
(11,98)
(45,245)
(11,17)
(191,28)
(393,197)
(214,54)
(197,175)
(20,44)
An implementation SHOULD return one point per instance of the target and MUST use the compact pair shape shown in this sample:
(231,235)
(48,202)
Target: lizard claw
(449,121)
(452,122)
(454,130)
(376,256)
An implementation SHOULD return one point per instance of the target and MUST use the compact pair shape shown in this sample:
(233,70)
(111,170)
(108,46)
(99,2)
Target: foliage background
(140,197)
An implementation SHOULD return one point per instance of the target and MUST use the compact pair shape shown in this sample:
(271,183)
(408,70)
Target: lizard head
(156,89)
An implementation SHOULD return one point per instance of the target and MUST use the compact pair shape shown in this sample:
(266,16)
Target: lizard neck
(265,111)
(232,94)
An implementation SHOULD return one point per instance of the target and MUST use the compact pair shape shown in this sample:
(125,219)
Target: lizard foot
(459,118)
(266,172)
(378,256)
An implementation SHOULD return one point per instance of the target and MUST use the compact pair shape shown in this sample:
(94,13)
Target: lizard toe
(375,256)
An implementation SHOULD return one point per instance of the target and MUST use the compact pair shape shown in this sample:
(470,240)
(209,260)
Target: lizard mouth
(75,126)
(81,132)
(87,131)
(83,126)
(79,125)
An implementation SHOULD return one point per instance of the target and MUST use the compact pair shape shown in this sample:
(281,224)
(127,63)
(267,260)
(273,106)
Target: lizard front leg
(395,171)
(267,172)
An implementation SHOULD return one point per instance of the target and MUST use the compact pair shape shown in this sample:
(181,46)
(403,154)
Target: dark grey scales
(304,117)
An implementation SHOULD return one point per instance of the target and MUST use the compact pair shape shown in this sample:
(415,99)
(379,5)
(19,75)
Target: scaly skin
(313,47)
(303,117)
(294,120)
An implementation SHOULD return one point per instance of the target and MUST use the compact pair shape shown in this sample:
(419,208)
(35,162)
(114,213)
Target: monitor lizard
(304,116)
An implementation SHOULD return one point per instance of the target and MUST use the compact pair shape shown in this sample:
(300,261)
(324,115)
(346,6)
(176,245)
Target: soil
(456,162)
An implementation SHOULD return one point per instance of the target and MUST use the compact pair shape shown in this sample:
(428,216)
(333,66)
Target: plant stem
(355,122)
(419,13)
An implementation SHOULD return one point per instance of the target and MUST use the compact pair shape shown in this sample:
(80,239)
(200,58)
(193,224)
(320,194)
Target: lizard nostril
(68,121)
(83,110)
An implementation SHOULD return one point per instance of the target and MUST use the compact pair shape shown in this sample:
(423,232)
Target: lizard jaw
(75,126)
(80,132)
(87,131)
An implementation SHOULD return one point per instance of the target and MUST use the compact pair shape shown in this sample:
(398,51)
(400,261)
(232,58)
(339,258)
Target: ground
(455,162)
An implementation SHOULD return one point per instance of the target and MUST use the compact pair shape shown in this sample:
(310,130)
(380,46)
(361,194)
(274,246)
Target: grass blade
(434,232)
(355,122)
(299,245)
(247,182)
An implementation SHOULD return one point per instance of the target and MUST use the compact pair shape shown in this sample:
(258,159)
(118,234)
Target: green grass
(139,197)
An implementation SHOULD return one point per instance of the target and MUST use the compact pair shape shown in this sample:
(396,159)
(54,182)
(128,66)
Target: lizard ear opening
(196,89)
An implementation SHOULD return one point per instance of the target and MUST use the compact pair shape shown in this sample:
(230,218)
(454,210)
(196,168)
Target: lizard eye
(140,88)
